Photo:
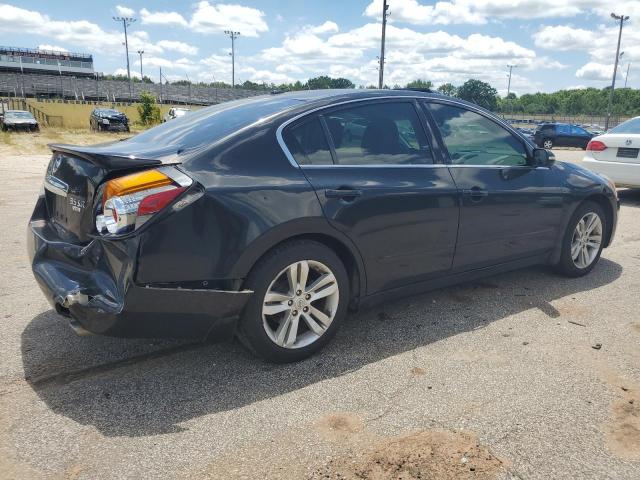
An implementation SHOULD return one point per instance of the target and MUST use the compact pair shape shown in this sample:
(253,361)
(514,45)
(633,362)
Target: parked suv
(549,135)
(107,119)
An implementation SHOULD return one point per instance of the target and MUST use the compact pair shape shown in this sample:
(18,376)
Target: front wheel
(583,240)
(301,293)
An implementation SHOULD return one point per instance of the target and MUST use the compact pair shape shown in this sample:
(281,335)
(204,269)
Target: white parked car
(616,154)
(175,113)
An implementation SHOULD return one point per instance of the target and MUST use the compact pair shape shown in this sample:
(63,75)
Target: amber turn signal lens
(135,182)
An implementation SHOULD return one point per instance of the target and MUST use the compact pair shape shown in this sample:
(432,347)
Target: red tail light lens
(156,202)
(596,146)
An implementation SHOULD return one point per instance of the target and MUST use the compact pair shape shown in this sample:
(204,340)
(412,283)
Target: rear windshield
(208,125)
(630,126)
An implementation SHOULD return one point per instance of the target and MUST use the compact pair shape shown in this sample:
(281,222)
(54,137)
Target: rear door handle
(344,193)
(476,193)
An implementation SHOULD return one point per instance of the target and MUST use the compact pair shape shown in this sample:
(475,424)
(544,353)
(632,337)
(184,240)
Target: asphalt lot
(493,379)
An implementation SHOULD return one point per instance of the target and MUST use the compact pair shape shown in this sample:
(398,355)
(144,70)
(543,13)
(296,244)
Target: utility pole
(511,67)
(622,19)
(385,14)
(140,52)
(233,35)
(189,85)
(126,21)
(161,99)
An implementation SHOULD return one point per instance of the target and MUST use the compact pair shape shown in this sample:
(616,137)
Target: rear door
(563,136)
(580,136)
(510,209)
(372,166)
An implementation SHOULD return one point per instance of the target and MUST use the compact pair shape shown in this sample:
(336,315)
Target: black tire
(566,266)
(251,331)
(549,143)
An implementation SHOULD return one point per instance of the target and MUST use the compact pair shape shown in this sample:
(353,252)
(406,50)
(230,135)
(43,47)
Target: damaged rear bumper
(94,285)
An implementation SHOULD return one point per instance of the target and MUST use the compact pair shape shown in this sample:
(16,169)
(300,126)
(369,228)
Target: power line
(622,19)
(126,21)
(385,14)
(233,35)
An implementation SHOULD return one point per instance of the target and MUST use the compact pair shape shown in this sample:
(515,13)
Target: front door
(509,208)
(373,170)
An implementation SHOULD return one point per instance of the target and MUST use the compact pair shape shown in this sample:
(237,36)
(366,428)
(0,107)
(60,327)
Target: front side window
(473,139)
(384,133)
(308,143)
(578,131)
(563,129)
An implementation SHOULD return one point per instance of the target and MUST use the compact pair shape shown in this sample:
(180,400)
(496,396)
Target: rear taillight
(596,146)
(129,201)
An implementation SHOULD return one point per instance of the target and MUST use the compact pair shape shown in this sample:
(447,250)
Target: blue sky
(555,44)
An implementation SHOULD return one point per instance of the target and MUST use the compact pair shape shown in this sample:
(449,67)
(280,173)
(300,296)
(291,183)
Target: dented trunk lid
(75,173)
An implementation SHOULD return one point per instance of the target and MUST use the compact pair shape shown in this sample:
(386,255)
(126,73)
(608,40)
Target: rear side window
(473,139)
(308,143)
(378,134)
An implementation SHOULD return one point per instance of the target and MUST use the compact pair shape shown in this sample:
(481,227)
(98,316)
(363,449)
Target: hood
(20,121)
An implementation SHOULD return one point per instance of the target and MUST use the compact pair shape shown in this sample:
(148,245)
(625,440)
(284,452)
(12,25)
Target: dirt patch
(623,436)
(340,425)
(424,455)
(635,327)
(418,372)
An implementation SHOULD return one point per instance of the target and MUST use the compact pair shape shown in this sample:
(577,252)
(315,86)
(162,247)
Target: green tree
(480,93)
(423,84)
(148,110)
(448,89)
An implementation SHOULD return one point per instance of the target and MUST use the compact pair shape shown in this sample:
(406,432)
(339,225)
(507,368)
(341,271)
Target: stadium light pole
(511,67)
(626,78)
(385,14)
(126,21)
(140,52)
(622,18)
(233,35)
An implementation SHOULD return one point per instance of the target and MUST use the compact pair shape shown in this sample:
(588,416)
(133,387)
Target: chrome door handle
(343,193)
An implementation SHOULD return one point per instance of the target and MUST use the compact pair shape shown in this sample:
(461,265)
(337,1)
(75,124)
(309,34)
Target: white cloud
(481,11)
(564,37)
(595,71)
(54,48)
(179,47)
(326,27)
(125,11)
(265,76)
(162,18)
(123,71)
(211,18)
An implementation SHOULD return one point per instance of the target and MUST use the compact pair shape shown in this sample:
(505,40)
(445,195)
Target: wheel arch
(335,241)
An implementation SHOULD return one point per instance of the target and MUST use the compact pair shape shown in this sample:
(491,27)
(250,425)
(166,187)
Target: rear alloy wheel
(300,296)
(547,143)
(583,241)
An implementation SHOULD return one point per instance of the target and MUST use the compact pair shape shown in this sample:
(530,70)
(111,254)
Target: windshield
(23,115)
(208,125)
(630,126)
(107,111)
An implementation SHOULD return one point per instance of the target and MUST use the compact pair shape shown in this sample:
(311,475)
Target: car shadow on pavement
(144,387)
(629,197)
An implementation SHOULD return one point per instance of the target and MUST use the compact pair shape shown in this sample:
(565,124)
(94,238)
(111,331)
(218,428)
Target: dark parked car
(18,120)
(549,135)
(108,119)
(266,218)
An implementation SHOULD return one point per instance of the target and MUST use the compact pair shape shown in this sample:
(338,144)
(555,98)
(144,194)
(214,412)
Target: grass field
(20,143)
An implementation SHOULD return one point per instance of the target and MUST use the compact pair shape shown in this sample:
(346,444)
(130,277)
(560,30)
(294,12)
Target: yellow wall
(77,115)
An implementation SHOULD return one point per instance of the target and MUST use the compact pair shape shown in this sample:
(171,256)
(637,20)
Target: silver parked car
(19,120)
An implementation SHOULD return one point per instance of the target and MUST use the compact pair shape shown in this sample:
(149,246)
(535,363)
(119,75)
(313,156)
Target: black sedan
(108,120)
(268,218)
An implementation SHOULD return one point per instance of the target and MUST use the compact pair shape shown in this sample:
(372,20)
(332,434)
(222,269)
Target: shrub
(148,110)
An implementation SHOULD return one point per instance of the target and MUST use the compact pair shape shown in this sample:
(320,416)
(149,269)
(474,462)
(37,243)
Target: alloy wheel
(548,144)
(300,304)
(586,241)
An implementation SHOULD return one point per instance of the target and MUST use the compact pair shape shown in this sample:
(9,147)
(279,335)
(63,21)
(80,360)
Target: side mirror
(543,157)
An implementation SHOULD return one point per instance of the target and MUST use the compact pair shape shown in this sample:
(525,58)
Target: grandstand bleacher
(28,85)
(33,60)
